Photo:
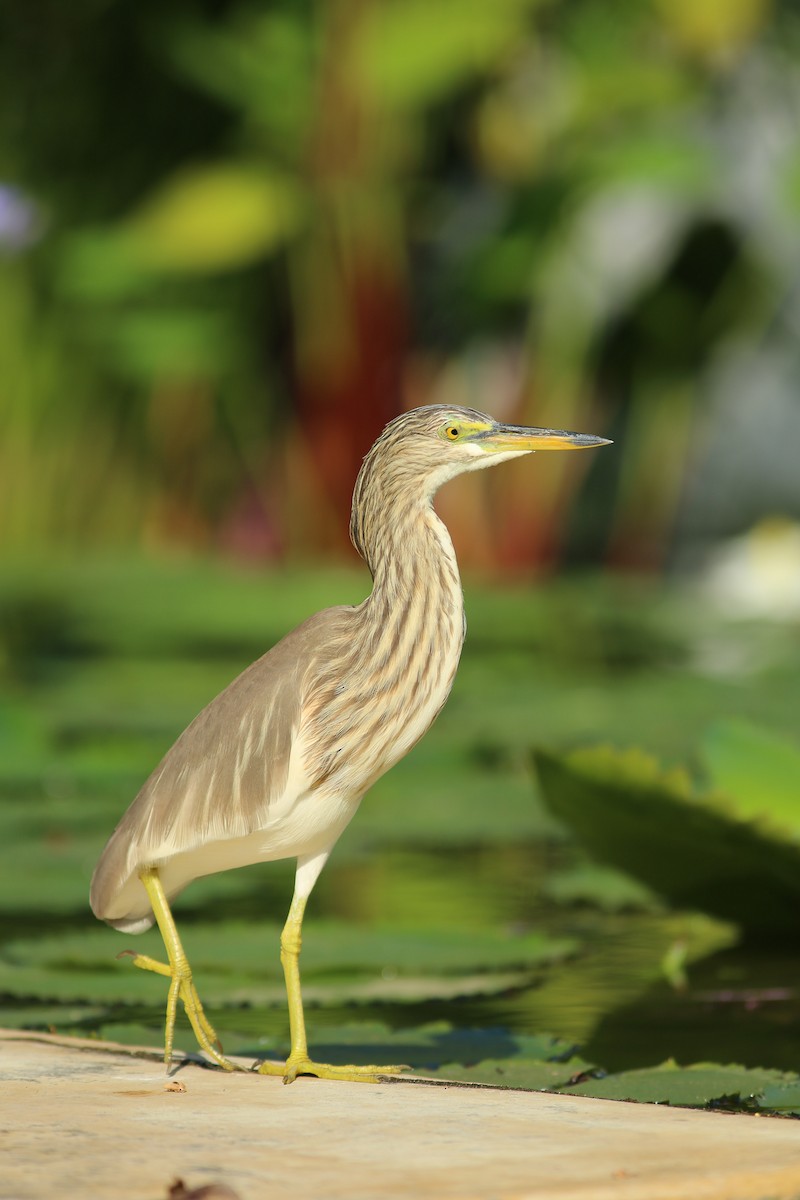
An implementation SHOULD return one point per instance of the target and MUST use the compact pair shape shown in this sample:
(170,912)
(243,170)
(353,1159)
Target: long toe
(203,1029)
(302,1065)
(146,963)
(182,988)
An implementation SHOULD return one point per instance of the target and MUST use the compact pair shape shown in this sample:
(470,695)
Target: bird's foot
(301,1064)
(182,988)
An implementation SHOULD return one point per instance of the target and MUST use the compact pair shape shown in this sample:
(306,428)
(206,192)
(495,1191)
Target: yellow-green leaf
(757,769)
(216,217)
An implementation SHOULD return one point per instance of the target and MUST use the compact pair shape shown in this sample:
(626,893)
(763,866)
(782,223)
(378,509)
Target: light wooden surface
(80,1119)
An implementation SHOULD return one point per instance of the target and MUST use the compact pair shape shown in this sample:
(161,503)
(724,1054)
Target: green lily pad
(529,1074)
(438,1050)
(437,1042)
(604,888)
(781,1097)
(694,1086)
(689,847)
(237,963)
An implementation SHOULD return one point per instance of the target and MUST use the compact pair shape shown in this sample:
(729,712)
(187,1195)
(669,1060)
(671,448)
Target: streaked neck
(416,583)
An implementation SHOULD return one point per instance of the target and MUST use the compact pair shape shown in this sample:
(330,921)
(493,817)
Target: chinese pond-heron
(277,764)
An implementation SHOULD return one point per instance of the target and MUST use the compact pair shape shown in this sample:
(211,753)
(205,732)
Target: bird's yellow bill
(521,438)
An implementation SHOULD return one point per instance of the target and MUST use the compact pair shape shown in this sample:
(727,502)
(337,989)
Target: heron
(276,766)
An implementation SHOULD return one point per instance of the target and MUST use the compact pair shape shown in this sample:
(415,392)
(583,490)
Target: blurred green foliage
(254,231)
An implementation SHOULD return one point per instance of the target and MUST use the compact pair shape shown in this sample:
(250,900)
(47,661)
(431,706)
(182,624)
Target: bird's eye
(452,432)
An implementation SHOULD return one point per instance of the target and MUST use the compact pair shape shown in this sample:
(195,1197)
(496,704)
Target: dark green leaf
(781,1097)
(529,1073)
(631,813)
(693,1087)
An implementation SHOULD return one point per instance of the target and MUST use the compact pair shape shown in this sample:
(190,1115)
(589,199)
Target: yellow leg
(178,971)
(298,1062)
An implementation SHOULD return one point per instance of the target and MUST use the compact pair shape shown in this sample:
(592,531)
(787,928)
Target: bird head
(437,442)
(422,449)
(462,439)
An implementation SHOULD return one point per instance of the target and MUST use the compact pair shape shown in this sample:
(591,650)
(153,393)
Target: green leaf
(678,164)
(757,769)
(781,1097)
(438,1049)
(692,849)
(606,889)
(100,266)
(237,962)
(409,52)
(692,1087)
(531,1074)
(215,218)
(155,342)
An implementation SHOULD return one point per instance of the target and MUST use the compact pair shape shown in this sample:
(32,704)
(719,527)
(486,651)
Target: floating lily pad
(438,1050)
(695,1086)
(782,1098)
(604,888)
(530,1074)
(236,963)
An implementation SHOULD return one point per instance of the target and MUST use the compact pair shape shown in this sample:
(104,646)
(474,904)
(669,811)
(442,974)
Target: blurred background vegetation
(235,239)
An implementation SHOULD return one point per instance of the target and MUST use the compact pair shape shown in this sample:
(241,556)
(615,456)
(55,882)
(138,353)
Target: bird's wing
(218,780)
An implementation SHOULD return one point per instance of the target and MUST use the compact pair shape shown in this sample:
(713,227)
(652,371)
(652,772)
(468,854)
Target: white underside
(301,824)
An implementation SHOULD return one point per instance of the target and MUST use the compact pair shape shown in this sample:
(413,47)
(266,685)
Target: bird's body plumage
(277,764)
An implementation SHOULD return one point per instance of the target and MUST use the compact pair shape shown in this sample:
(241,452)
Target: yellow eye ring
(452,433)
